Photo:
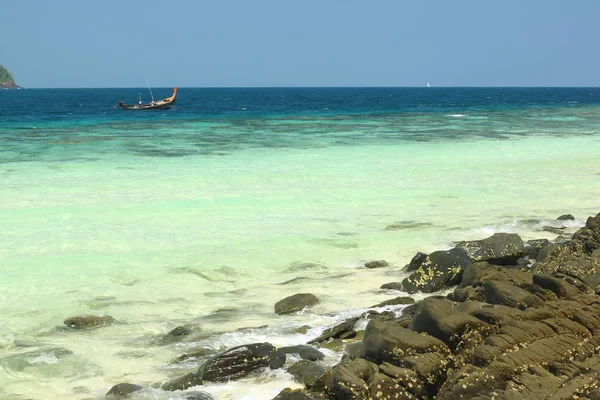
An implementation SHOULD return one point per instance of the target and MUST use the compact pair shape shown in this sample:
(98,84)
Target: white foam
(457,115)
(44,358)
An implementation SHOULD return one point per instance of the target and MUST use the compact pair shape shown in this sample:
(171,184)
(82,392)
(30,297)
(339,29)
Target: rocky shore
(519,321)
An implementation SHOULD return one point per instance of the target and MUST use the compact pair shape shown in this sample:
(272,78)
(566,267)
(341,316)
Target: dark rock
(386,341)
(197,396)
(505,293)
(348,335)
(305,352)
(186,381)
(554,229)
(442,319)
(175,335)
(533,247)
(430,367)
(477,273)
(392,286)
(122,390)
(386,315)
(588,237)
(440,269)
(197,353)
(396,301)
(467,293)
(471,382)
(349,379)
(239,361)
(289,394)
(410,309)
(550,251)
(523,263)
(306,372)
(573,258)
(88,321)
(295,303)
(377,264)
(416,262)
(539,291)
(560,287)
(406,378)
(303,329)
(382,387)
(497,314)
(333,345)
(499,249)
(354,350)
(336,331)
(232,364)
(566,217)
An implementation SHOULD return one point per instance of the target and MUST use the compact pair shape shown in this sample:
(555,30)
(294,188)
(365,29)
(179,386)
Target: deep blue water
(84,124)
(45,105)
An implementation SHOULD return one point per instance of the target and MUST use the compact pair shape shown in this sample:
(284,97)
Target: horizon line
(312,87)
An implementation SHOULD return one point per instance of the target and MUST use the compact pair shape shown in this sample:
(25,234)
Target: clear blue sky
(195,43)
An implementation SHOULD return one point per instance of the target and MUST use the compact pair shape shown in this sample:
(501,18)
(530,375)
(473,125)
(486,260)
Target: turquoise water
(198,215)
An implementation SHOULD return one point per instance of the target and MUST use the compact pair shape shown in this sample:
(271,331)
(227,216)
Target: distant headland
(6,80)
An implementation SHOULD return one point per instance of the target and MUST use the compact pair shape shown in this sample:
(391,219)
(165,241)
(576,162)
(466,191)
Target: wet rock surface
(377,264)
(295,303)
(232,364)
(122,390)
(504,333)
(500,248)
(305,352)
(507,330)
(88,321)
(439,269)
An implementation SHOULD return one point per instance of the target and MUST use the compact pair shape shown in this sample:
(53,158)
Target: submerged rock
(566,217)
(232,364)
(305,266)
(122,390)
(377,264)
(295,303)
(88,321)
(194,354)
(392,286)
(554,229)
(305,352)
(239,361)
(175,335)
(197,396)
(398,225)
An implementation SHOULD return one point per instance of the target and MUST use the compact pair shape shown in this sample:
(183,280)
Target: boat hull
(163,104)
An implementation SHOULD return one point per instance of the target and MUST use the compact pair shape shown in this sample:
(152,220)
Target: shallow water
(208,214)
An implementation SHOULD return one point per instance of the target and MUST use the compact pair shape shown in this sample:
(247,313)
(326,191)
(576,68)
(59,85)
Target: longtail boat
(163,104)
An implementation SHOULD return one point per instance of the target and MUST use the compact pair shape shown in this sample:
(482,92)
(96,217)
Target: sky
(247,43)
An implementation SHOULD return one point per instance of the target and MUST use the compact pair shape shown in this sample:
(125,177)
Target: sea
(207,214)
